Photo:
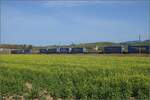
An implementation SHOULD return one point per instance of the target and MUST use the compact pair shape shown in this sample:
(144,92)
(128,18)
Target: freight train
(105,50)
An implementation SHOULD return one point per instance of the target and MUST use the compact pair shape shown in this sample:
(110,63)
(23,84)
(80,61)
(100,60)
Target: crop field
(75,77)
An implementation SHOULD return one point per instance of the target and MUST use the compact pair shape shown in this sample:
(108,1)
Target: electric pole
(139,37)
(139,43)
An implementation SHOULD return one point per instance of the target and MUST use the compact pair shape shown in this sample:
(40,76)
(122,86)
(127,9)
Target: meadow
(84,77)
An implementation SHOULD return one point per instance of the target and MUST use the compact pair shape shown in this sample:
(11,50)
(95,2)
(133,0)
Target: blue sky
(53,22)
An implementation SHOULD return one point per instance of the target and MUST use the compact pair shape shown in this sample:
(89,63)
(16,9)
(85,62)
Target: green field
(87,77)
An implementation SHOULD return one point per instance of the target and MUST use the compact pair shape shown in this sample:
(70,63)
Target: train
(79,50)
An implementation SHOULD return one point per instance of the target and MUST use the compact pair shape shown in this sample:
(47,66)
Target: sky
(54,22)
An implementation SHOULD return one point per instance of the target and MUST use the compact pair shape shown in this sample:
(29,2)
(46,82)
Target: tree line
(14,46)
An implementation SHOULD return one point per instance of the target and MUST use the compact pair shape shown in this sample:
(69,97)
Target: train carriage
(27,51)
(112,49)
(20,51)
(52,50)
(64,50)
(78,50)
(138,49)
(43,51)
(16,51)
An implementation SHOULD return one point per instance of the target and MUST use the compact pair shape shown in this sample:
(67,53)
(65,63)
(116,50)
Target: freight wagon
(138,49)
(43,51)
(53,50)
(26,51)
(112,49)
(78,50)
(64,50)
(16,51)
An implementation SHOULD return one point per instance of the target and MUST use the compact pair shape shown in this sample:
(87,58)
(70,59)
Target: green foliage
(89,77)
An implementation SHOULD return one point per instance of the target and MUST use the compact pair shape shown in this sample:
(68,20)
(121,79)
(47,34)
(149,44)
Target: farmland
(92,77)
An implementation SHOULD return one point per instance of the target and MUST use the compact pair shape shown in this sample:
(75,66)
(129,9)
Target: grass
(87,77)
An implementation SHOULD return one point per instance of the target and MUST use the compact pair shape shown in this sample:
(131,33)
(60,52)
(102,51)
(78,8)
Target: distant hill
(102,44)
(91,45)
(137,43)
(85,45)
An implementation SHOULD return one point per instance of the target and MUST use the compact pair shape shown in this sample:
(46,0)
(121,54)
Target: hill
(85,45)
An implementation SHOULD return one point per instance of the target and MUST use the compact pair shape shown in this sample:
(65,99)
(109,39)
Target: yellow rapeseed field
(92,77)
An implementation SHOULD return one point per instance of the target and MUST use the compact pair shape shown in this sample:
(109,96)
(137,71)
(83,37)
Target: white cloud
(64,3)
(69,3)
